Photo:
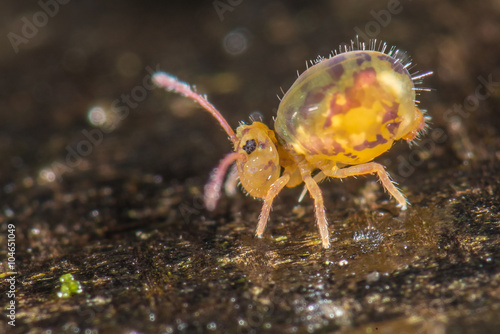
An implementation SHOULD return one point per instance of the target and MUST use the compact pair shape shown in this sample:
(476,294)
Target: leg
(369,168)
(317,178)
(273,191)
(319,208)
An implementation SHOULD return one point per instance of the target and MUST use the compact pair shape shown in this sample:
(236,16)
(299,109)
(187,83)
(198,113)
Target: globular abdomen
(348,109)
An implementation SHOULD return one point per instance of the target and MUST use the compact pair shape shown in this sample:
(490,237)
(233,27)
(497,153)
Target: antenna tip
(162,79)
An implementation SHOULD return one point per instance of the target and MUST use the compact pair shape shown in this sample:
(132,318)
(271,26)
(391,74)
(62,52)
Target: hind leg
(370,168)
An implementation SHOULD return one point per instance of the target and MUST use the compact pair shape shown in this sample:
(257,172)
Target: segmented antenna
(213,187)
(172,84)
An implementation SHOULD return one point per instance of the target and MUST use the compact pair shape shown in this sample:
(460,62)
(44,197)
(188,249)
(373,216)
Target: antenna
(172,84)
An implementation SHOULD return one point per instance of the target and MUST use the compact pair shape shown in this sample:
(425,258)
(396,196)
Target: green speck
(281,238)
(69,286)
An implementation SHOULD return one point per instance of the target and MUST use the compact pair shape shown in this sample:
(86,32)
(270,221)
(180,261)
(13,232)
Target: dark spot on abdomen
(371,144)
(336,71)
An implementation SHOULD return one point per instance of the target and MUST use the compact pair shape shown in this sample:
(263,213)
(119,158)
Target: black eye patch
(250,146)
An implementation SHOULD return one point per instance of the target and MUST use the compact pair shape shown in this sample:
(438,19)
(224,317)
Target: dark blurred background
(92,158)
(239,53)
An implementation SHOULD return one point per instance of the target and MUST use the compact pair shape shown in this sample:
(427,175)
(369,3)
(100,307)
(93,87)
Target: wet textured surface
(114,198)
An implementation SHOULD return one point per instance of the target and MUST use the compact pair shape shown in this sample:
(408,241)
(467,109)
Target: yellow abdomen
(348,109)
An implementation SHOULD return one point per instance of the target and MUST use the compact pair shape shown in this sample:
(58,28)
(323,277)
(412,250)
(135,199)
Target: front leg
(370,168)
(273,191)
